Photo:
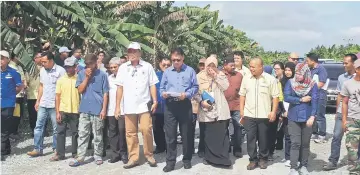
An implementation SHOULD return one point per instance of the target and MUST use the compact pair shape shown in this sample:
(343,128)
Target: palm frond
(132,6)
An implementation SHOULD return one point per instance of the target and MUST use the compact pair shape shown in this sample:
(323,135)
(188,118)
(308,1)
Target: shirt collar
(261,76)
(347,74)
(183,67)
(141,63)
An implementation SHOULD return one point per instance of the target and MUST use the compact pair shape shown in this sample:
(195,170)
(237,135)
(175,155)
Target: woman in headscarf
(301,93)
(214,115)
(289,73)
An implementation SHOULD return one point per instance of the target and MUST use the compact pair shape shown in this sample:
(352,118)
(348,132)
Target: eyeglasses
(133,72)
(295,59)
(166,65)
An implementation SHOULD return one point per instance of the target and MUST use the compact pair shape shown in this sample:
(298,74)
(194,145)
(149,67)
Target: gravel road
(19,163)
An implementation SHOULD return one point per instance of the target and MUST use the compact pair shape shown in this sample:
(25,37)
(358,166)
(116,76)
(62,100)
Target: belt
(173,99)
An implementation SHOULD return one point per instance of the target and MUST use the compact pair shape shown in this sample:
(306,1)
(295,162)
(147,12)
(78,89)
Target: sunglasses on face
(166,65)
(295,59)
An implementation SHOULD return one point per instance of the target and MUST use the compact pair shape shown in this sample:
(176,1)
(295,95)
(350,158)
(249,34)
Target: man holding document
(178,86)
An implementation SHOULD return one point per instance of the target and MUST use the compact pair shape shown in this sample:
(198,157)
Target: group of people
(107,103)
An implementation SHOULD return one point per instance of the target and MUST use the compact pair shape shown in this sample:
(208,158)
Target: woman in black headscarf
(289,73)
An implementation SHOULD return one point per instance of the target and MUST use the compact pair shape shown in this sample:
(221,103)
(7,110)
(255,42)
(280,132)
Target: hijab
(285,79)
(302,88)
(204,80)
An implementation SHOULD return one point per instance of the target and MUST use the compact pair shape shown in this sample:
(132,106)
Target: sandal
(56,158)
(75,163)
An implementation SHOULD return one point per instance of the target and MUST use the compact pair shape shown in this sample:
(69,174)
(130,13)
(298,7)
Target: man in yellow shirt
(67,102)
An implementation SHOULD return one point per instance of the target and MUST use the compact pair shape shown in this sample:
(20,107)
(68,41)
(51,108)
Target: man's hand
(88,72)
(103,114)
(117,113)
(58,117)
(285,114)
(306,99)
(36,106)
(165,95)
(153,107)
(182,96)
(344,127)
(272,116)
(310,121)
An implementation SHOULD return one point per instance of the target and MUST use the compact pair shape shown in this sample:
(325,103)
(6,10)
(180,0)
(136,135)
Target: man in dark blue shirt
(178,85)
(158,117)
(10,85)
(319,74)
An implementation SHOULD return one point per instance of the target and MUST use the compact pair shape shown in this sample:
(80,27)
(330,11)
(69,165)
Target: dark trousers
(194,118)
(287,139)
(280,138)
(300,136)
(178,112)
(272,135)
(6,119)
(201,146)
(237,137)
(158,130)
(105,135)
(117,137)
(16,119)
(71,120)
(257,131)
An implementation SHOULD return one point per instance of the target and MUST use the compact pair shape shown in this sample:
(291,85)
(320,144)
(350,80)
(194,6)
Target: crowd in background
(105,103)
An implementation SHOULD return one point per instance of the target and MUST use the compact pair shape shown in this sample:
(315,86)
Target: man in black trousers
(177,87)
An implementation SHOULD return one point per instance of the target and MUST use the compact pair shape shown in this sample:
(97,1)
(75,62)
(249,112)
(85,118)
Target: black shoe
(158,151)
(205,162)
(238,154)
(124,159)
(168,168)
(187,165)
(130,165)
(201,154)
(271,157)
(114,160)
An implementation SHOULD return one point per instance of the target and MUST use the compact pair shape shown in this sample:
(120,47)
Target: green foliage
(336,52)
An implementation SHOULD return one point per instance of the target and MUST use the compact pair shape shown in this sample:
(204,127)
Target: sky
(291,26)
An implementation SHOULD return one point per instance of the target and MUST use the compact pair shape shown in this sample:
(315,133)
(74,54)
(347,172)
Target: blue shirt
(93,97)
(322,73)
(300,111)
(340,84)
(10,79)
(160,107)
(180,82)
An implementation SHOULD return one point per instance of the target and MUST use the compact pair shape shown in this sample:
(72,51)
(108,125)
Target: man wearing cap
(178,86)
(233,98)
(67,102)
(239,66)
(63,54)
(10,85)
(45,104)
(351,118)
(136,82)
(293,57)
(93,85)
(158,117)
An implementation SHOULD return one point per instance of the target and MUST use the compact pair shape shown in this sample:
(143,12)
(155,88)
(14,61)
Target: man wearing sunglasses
(136,81)
(177,87)
(158,117)
(293,57)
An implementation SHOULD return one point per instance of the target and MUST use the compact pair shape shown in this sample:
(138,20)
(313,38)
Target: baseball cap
(202,60)
(5,54)
(64,49)
(71,61)
(357,63)
(134,45)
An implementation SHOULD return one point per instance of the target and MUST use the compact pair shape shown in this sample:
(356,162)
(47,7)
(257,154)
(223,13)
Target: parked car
(333,70)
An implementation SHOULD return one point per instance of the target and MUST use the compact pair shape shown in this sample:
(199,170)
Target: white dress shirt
(112,97)
(136,82)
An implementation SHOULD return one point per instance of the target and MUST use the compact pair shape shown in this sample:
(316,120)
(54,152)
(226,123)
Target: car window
(334,70)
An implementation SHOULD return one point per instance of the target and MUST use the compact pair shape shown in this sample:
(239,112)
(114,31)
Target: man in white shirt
(116,124)
(136,82)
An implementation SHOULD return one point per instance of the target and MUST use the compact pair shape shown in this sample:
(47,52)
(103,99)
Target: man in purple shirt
(319,73)
(177,87)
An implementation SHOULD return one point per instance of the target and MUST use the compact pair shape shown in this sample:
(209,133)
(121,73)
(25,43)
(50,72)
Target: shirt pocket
(97,87)
(185,81)
(264,89)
